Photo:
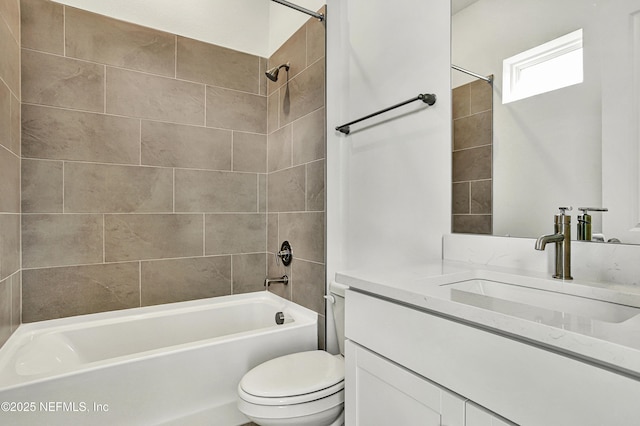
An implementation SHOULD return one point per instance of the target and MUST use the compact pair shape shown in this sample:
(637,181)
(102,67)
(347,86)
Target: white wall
(284,21)
(258,27)
(541,162)
(389,181)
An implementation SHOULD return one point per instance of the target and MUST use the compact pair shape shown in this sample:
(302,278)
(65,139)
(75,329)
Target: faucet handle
(563,210)
(586,210)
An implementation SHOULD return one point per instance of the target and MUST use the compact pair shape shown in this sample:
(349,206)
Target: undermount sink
(543,306)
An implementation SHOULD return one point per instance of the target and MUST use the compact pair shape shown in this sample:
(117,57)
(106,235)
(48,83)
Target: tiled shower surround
(472,197)
(158,168)
(9,167)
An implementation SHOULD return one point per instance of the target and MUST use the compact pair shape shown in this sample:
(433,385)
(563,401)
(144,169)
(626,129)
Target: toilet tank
(337,291)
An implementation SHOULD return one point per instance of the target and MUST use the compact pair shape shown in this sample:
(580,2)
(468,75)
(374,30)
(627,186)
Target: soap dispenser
(584,222)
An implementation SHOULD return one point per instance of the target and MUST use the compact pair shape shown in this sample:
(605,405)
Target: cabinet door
(382,393)
(479,416)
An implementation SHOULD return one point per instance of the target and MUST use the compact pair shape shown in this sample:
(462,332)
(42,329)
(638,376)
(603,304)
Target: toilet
(302,389)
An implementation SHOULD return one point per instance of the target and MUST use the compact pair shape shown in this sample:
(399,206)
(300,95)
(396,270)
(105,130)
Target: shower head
(272,74)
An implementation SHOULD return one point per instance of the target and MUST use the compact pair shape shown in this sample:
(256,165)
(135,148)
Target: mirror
(553,149)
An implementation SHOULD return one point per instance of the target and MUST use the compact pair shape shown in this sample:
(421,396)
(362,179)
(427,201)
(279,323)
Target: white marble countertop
(612,343)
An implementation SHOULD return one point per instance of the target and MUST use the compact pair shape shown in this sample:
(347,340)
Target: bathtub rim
(304,317)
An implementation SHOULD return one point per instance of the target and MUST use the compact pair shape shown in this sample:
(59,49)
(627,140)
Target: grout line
(63,184)
(122,262)
(204,235)
(104,240)
(155,120)
(233,141)
(105,90)
(140,282)
(64,30)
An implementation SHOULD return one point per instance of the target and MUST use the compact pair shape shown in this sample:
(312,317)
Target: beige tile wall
(472,158)
(296,166)
(157,169)
(10,96)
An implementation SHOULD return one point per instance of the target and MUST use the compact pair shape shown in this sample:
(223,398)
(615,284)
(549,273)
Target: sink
(543,306)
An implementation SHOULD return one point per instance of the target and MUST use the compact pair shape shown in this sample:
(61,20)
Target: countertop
(611,344)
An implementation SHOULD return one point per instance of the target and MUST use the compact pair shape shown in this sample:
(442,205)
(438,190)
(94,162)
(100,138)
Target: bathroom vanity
(456,344)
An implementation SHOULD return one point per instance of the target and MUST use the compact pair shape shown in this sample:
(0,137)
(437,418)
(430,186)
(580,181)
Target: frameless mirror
(576,145)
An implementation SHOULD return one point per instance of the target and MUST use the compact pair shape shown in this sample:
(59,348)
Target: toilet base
(331,417)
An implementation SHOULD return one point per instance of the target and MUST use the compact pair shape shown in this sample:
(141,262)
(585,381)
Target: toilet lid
(295,374)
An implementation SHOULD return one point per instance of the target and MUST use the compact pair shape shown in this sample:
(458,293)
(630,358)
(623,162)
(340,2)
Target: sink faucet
(562,238)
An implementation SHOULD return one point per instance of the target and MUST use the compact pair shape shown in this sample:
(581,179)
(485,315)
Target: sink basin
(543,306)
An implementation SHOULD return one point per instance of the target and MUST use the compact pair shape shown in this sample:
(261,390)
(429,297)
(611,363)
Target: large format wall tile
(471,131)
(42,25)
(61,292)
(231,109)
(309,138)
(57,81)
(16,300)
(152,236)
(51,133)
(316,31)
(10,11)
(249,152)
(293,52)
(100,188)
(302,94)
(306,231)
(16,126)
(10,63)
(5,115)
(9,181)
(56,239)
(217,66)
(42,186)
(108,41)
(9,244)
(249,272)
(307,288)
(472,164)
(287,189)
(315,186)
(177,280)
(235,233)
(472,224)
(136,94)
(209,191)
(175,145)
(5,310)
(9,120)
(279,149)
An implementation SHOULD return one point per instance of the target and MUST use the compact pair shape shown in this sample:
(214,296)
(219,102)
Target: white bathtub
(170,364)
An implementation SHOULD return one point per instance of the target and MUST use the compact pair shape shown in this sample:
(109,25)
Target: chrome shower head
(272,74)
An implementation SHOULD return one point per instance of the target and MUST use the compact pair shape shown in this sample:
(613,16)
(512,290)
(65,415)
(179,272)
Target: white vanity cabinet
(383,393)
(380,392)
(409,366)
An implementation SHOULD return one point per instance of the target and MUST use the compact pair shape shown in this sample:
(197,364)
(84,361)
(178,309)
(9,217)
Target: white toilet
(305,388)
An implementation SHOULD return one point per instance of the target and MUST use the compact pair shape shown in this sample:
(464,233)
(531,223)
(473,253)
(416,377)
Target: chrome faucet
(562,238)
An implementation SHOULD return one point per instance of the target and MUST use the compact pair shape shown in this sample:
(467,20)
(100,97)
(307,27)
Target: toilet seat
(293,379)
(291,400)
(327,407)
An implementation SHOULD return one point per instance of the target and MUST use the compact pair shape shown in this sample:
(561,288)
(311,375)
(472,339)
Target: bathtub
(174,364)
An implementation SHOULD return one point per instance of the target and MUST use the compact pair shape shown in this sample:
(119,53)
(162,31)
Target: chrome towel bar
(427,98)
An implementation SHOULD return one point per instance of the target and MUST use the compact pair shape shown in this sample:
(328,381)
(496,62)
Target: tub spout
(283,280)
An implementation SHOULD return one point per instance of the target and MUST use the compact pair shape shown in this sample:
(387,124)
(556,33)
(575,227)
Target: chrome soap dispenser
(584,222)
